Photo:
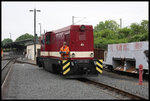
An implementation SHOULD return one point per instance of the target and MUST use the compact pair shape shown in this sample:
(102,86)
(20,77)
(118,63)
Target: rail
(5,65)
(6,70)
(135,75)
(118,92)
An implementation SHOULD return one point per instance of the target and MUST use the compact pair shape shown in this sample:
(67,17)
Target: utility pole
(40,28)
(72,20)
(10,35)
(120,23)
(77,21)
(34,30)
(44,31)
(11,46)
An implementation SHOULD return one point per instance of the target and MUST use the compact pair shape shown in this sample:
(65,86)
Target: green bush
(108,33)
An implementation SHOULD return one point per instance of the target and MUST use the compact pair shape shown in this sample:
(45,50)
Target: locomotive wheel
(39,64)
(59,70)
(43,65)
(54,68)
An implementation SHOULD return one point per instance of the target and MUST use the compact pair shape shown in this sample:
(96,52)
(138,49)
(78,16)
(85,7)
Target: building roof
(20,44)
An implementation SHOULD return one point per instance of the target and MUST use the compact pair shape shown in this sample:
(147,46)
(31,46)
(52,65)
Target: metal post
(10,35)
(72,20)
(35,31)
(40,28)
(120,23)
(140,74)
(44,31)
(34,34)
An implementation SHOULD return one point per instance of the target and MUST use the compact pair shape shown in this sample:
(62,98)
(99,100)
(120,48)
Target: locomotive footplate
(80,76)
(79,68)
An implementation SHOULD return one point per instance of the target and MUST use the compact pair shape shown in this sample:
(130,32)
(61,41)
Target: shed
(30,51)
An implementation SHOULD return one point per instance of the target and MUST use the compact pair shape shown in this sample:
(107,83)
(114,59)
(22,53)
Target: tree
(104,33)
(139,31)
(5,41)
(108,32)
(136,28)
(24,37)
(124,32)
(144,26)
(139,37)
(108,24)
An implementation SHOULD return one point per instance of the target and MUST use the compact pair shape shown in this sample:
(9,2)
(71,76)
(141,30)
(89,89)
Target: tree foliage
(25,37)
(108,32)
(5,41)
(107,25)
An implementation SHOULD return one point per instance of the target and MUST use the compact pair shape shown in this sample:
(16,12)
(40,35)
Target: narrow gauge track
(135,75)
(18,61)
(6,70)
(8,58)
(5,65)
(118,93)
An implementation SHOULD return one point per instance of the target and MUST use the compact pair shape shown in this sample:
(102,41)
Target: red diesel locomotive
(81,60)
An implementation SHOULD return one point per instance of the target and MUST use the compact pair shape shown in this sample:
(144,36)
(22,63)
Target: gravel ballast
(126,83)
(3,63)
(30,82)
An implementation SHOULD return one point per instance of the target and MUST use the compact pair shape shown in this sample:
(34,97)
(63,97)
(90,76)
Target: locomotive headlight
(72,63)
(73,54)
(59,62)
(82,27)
(92,54)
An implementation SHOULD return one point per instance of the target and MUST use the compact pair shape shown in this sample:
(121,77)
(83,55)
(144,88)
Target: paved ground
(30,82)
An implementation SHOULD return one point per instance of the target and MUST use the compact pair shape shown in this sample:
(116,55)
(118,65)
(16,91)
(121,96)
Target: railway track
(135,75)
(6,71)
(118,93)
(25,62)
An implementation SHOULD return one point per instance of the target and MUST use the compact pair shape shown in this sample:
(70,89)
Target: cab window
(42,39)
(48,38)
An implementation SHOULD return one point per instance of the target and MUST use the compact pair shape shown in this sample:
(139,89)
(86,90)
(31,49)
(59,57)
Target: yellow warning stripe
(66,65)
(64,61)
(101,61)
(99,70)
(99,64)
(66,71)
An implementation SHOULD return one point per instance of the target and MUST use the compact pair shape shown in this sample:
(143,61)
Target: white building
(30,51)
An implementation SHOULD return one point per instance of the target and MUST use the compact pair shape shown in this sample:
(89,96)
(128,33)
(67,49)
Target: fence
(98,53)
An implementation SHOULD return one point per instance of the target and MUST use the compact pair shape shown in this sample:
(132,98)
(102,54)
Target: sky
(17,20)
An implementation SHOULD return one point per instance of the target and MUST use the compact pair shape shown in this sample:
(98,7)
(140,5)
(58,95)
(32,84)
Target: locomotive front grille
(82,61)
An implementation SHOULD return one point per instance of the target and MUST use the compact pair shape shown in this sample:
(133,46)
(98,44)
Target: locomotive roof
(67,28)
